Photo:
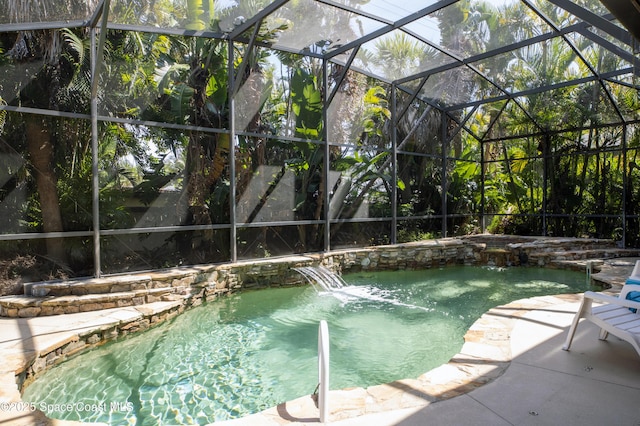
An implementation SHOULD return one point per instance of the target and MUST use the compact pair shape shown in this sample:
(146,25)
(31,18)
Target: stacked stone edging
(25,307)
(418,255)
(195,284)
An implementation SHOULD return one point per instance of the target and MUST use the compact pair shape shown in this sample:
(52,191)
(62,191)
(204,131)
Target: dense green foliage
(558,162)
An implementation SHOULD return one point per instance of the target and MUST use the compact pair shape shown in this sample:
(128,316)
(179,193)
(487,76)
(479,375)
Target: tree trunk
(198,169)
(41,154)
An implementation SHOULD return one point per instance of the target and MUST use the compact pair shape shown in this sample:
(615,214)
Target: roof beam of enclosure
(258,17)
(494,121)
(93,20)
(578,53)
(533,120)
(402,28)
(244,62)
(412,98)
(461,124)
(487,79)
(564,130)
(416,95)
(432,45)
(353,10)
(540,89)
(595,20)
(491,53)
(528,92)
(342,76)
(396,25)
(622,83)
(35,26)
(612,100)
(415,126)
(611,47)
(515,101)
(459,60)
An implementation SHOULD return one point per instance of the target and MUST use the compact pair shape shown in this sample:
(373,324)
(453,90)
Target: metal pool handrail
(323,371)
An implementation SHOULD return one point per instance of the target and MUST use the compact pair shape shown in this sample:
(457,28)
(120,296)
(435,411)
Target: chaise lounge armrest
(614,300)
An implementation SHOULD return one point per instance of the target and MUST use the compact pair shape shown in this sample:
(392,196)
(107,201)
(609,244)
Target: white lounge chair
(614,316)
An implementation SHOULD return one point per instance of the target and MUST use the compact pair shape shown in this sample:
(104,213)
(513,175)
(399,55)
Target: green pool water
(251,351)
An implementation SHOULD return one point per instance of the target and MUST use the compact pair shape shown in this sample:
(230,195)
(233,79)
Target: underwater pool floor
(510,370)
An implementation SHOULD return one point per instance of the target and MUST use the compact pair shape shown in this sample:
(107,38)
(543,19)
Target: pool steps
(31,306)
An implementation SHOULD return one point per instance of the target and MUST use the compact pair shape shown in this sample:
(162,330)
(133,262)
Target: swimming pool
(245,353)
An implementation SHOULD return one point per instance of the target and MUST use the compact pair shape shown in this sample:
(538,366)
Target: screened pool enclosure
(143,134)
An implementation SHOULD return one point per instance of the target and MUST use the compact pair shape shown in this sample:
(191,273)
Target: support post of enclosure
(323,371)
(95,182)
(626,176)
(233,231)
(97,49)
(326,165)
(444,184)
(394,165)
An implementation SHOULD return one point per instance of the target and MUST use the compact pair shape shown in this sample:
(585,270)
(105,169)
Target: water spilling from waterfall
(321,278)
(324,280)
